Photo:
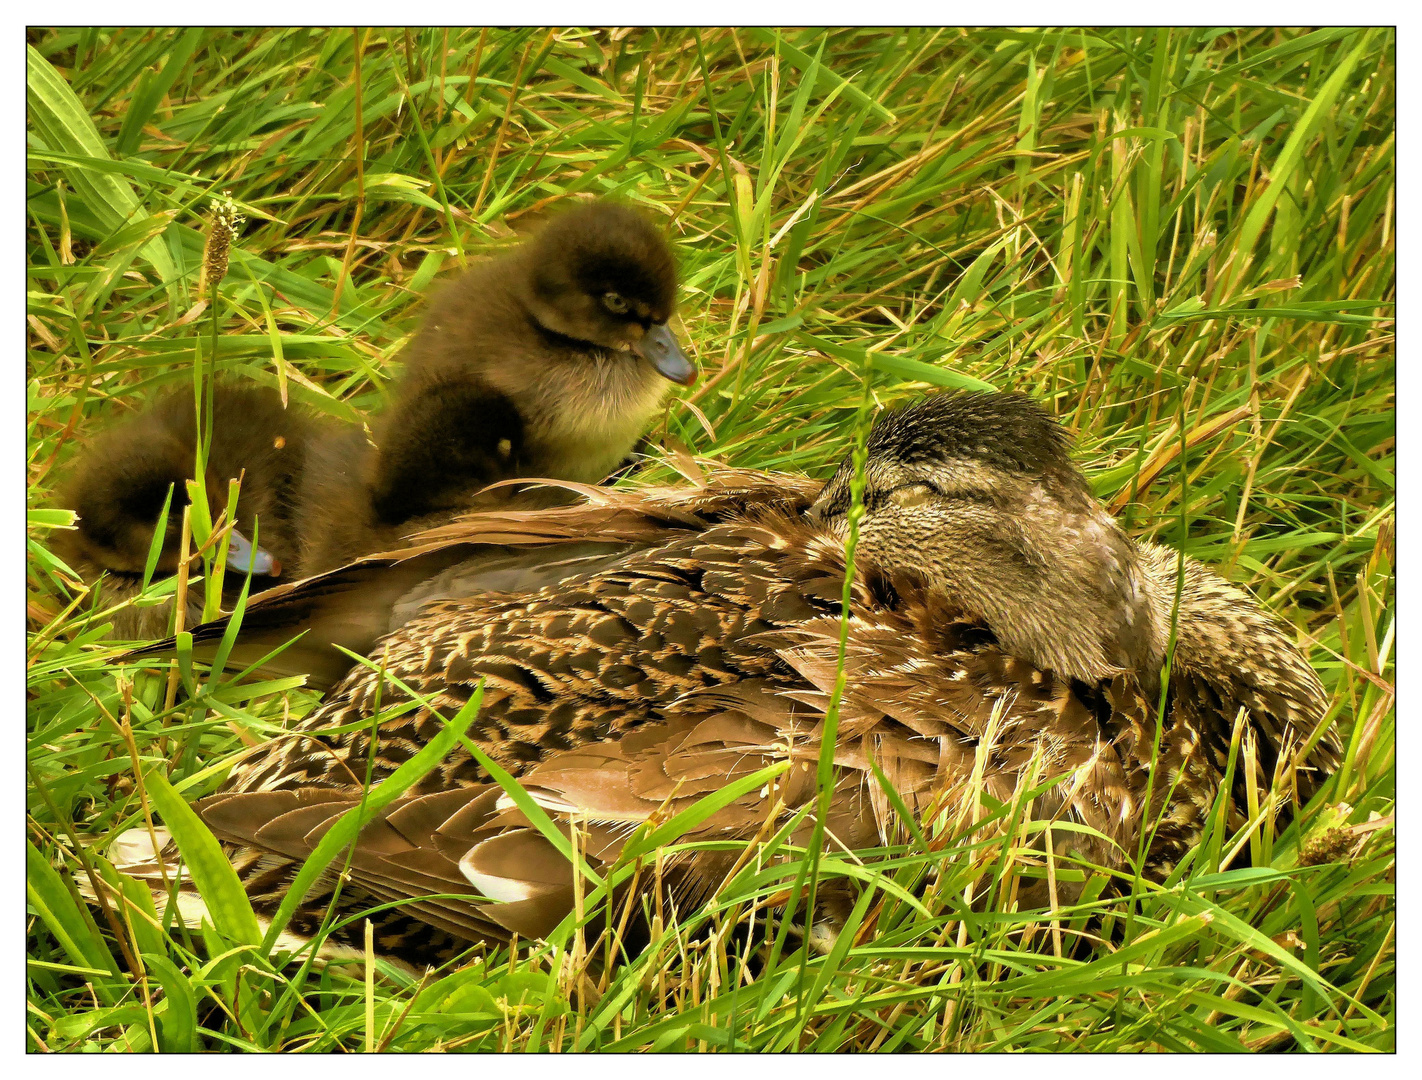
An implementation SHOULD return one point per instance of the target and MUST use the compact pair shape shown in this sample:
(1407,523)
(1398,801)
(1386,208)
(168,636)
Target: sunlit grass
(1173,237)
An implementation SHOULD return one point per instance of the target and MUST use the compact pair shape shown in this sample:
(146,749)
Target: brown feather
(707,648)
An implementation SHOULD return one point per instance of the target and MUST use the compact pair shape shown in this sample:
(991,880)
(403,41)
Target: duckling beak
(241,556)
(660,347)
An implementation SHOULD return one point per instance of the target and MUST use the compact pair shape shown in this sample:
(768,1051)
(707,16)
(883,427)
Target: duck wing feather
(508,550)
(621,696)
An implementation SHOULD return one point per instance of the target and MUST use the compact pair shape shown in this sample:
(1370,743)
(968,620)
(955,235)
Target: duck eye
(912,495)
(614,303)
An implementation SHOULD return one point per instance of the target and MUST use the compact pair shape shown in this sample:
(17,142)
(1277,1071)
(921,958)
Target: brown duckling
(702,646)
(335,523)
(120,481)
(548,362)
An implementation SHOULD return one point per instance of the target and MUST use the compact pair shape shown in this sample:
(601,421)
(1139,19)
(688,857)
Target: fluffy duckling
(549,361)
(120,482)
(334,521)
(701,645)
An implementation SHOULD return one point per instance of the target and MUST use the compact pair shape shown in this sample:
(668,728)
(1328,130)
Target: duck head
(604,275)
(119,493)
(974,495)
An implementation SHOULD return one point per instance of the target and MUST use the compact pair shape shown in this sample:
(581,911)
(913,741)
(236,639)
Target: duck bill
(243,557)
(660,347)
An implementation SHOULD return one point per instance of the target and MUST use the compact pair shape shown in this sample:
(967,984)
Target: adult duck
(671,641)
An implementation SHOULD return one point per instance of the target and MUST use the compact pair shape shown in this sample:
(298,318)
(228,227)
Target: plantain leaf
(151,90)
(139,913)
(917,370)
(56,907)
(178,1023)
(203,857)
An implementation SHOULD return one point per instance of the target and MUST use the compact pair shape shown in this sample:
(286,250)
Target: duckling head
(119,490)
(119,493)
(603,274)
(974,495)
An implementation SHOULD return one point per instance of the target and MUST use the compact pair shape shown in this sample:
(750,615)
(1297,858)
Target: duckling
(548,361)
(120,482)
(334,520)
(703,646)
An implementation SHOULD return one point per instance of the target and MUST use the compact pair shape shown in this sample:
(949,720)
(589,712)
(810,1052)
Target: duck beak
(660,347)
(241,556)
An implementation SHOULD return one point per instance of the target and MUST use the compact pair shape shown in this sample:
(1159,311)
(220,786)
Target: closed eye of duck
(548,361)
(646,649)
(977,496)
(120,481)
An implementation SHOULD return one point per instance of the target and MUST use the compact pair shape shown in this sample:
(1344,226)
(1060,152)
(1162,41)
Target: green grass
(1177,239)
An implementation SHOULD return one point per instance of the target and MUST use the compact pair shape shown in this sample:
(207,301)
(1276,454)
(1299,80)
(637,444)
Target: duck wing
(508,877)
(647,743)
(496,550)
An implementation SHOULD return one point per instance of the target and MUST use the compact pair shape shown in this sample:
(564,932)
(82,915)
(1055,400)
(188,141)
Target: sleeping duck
(668,642)
(548,361)
(351,608)
(120,481)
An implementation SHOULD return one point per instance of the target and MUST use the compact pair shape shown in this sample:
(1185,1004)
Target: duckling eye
(614,303)
(911,495)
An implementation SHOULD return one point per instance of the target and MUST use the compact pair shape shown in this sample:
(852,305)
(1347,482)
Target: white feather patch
(135,847)
(505,890)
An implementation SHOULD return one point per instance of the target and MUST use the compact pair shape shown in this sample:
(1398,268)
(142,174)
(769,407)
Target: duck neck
(1075,600)
(583,408)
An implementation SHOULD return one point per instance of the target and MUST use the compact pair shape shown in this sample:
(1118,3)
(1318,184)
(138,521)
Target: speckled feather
(702,654)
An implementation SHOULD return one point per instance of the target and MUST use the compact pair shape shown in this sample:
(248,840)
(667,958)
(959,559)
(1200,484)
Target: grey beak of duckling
(660,347)
(242,557)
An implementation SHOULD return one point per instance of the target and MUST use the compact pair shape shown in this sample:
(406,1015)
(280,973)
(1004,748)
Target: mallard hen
(548,362)
(119,483)
(353,606)
(1000,625)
